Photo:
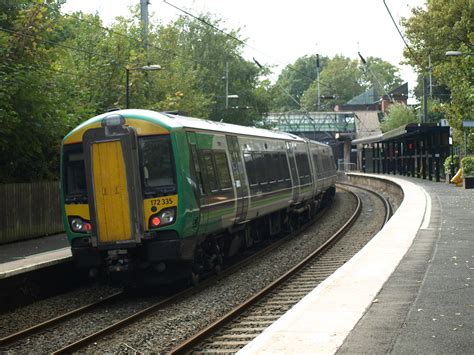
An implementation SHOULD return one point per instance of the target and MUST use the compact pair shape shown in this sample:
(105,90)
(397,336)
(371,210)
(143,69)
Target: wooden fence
(29,210)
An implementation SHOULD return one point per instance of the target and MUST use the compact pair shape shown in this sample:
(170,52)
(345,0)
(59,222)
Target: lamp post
(226,97)
(456,54)
(127,79)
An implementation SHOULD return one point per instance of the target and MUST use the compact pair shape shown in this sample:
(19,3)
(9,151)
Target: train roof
(172,122)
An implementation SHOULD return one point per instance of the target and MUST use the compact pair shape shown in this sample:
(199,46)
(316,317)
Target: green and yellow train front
(126,199)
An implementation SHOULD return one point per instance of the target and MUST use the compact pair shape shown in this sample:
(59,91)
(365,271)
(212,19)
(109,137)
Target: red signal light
(155,221)
(87,227)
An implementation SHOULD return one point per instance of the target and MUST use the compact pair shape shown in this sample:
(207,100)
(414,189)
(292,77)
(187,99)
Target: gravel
(28,316)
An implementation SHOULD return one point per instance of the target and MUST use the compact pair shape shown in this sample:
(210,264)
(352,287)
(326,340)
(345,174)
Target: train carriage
(166,196)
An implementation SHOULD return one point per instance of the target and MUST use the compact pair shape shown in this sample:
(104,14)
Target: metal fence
(345,167)
(29,210)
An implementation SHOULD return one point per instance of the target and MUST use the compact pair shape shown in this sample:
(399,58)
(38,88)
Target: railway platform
(25,256)
(410,290)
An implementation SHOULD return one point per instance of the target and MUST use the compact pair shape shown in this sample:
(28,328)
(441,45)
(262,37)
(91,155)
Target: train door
(113,184)
(111,193)
(294,174)
(240,179)
(202,197)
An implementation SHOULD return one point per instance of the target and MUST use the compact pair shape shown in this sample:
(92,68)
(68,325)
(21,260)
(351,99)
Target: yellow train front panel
(111,193)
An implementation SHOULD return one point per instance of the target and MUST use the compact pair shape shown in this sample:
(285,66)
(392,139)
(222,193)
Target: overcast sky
(278,32)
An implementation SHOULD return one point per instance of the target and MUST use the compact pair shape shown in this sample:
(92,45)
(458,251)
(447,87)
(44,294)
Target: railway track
(59,319)
(238,327)
(162,303)
(121,296)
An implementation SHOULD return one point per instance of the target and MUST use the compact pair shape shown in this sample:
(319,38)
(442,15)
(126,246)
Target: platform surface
(408,291)
(33,254)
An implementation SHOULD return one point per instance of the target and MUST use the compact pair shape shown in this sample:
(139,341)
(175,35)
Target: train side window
(197,169)
(303,168)
(260,168)
(320,165)
(317,166)
(284,168)
(208,166)
(279,174)
(250,168)
(326,163)
(222,167)
(269,168)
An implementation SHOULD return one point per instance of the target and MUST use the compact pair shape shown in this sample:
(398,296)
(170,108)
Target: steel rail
(190,343)
(12,338)
(387,205)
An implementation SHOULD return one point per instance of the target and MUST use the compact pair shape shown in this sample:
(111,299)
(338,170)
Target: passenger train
(157,196)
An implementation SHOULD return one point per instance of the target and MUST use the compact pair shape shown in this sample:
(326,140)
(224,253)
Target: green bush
(467,165)
(447,162)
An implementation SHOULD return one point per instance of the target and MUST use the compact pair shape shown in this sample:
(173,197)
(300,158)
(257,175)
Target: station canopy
(411,130)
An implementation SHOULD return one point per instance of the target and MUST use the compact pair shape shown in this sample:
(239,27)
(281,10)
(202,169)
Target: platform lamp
(457,54)
(127,79)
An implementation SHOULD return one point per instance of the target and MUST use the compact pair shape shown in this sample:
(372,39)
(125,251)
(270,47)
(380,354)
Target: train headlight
(78,225)
(163,218)
(167,215)
(113,120)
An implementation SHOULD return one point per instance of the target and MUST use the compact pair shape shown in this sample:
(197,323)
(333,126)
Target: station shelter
(415,149)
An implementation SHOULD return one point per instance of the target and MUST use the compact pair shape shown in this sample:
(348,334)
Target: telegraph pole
(317,78)
(430,72)
(144,19)
(226,77)
(425,100)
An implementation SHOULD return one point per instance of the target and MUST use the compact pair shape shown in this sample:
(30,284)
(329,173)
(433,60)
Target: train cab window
(74,174)
(157,166)
(222,167)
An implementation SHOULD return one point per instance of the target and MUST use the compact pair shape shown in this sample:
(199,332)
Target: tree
(398,115)
(445,25)
(344,78)
(380,74)
(194,55)
(31,111)
(340,79)
(59,70)
(294,80)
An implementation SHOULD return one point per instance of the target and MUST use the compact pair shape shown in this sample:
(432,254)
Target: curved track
(237,328)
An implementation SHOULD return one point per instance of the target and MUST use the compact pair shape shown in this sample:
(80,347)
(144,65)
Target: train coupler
(118,260)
